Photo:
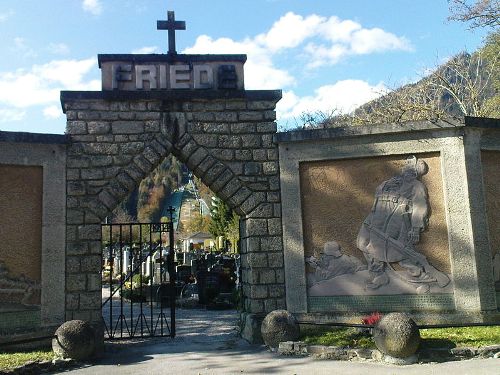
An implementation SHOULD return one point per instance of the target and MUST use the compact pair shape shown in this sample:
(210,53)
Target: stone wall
(117,139)
(21,220)
(32,243)
(328,180)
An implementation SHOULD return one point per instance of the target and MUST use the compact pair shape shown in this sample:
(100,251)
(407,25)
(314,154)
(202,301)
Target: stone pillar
(226,141)
(481,240)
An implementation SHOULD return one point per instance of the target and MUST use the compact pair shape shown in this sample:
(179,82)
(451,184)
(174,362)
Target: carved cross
(171,25)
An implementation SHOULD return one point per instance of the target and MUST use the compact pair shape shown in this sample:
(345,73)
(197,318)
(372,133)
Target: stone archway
(115,139)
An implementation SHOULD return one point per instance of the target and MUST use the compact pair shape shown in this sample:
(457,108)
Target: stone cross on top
(171,25)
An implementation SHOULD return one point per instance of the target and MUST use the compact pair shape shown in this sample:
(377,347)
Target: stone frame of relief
(334,174)
(37,303)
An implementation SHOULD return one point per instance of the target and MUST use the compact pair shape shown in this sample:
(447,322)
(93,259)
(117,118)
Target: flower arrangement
(372,319)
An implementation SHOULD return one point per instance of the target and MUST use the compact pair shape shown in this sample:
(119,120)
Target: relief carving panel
(21,237)
(375,226)
(491,173)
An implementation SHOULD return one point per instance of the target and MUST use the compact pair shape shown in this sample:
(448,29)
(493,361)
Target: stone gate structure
(303,256)
(226,139)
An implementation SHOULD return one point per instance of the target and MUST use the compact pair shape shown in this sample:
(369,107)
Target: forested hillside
(144,204)
(466,85)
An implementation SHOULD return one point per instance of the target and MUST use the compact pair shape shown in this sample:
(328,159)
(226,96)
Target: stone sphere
(397,335)
(75,340)
(279,326)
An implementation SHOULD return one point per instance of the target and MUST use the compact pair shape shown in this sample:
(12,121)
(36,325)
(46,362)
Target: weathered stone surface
(253,201)
(267,127)
(230,141)
(90,300)
(143,163)
(91,174)
(75,340)
(275,259)
(151,155)
(72,264)
(226,116)
(89,232)
(101,161)
(256,227)
(131,147)
(257,260)
(397,335)
(270,167)
(117,143)
(263,210)
(250,116)
(214,172)
(75,188)
(221,180)
(279,326)
(204,166)
(251,141)
(240,196)
(196,158)
(75,282)
(100,148)
(127,127)
(98,127)
(206,140)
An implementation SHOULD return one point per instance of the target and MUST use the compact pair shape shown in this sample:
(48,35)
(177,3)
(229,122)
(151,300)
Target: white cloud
(52,112)
(310,42)
(146,50)
(289,31)
(22,48)
(58,48)
(92,6)
(11,114)
(343,38)
(377,40)
(6,15)
(343,96)
(42,83)
(260,73)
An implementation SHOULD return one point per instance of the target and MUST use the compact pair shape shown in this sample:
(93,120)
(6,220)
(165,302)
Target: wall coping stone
(366,130)
(24,137)
(171,95)
(168,58)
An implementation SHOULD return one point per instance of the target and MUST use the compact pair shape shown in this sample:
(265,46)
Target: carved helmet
(418,166)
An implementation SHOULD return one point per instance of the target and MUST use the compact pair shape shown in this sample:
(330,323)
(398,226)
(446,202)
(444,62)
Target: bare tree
(467,79)
(479,13)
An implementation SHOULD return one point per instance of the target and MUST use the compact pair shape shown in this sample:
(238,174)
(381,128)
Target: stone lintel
(68,97)
(24,137)
(169,58)
(371,130)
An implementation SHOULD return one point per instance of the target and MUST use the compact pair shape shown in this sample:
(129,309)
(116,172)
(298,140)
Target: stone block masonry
(226,139)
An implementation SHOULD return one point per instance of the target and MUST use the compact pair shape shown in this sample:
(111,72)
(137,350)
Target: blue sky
(323,54)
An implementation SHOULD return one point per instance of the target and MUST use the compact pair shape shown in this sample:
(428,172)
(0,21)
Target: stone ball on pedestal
(279,326)
(397,335)
(75,339)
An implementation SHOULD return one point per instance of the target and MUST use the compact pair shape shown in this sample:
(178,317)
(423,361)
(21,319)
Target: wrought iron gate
(138,279)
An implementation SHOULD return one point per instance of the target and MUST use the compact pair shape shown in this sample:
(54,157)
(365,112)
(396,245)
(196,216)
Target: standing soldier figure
(390,232)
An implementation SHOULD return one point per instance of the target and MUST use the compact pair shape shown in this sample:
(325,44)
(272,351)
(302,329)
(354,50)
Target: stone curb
(300,348)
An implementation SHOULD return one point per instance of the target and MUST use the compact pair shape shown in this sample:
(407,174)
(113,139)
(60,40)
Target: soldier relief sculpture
(388,236)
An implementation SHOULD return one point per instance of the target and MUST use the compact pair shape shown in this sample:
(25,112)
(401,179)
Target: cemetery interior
(173,191)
